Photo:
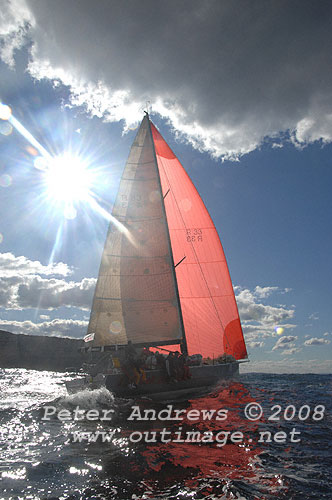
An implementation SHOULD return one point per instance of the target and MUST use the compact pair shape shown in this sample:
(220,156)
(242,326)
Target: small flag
(89,337)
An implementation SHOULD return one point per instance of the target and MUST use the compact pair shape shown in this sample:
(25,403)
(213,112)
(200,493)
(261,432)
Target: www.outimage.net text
(252,412)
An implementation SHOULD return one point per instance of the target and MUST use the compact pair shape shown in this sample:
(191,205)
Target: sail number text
(194,234)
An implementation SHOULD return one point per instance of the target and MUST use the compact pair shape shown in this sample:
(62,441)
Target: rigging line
(214,305)
(167,193)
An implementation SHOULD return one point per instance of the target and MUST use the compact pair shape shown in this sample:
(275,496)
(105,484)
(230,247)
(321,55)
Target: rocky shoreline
(39,352)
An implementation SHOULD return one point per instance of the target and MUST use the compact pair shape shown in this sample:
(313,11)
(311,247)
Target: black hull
(203,378)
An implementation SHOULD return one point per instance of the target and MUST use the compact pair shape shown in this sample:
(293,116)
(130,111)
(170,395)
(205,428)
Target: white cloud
(288,366)
(36,292)
(15,19)
(291,350)
(53,293)
(266,315)
(22,285)
(225,74)
(314,316)
(316,341)
(264,292)
(12,266)
(259,320)
(56,327)
(254,345)
(285,342)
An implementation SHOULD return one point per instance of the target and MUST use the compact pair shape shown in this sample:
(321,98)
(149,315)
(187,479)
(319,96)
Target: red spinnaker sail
(210,316)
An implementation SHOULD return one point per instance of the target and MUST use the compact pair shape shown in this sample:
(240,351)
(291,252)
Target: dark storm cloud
(225,73)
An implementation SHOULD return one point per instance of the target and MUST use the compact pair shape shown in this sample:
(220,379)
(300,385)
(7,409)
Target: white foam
(89,398)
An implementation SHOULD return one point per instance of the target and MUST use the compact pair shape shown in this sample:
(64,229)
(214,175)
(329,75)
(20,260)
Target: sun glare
(67,179)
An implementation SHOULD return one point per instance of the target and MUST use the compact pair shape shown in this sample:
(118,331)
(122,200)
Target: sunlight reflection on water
(41,458)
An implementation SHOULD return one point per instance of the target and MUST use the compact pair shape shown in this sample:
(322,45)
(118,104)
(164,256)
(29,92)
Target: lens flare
(5,128)
(185,204)
(154,196)
(5,180)
(41,163)
(279,330)
(31,151)
(5,112)
(115,327)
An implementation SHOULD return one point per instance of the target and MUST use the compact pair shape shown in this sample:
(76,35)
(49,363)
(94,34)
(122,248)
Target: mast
(169,242)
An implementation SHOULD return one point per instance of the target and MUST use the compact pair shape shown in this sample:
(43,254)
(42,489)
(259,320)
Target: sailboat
(163,281)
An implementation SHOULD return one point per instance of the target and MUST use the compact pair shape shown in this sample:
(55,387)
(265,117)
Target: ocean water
(218,447)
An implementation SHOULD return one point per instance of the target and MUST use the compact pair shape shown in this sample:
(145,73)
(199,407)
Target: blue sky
(259,155)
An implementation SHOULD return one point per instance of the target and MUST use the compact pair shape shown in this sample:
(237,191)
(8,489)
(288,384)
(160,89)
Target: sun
(67,179)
